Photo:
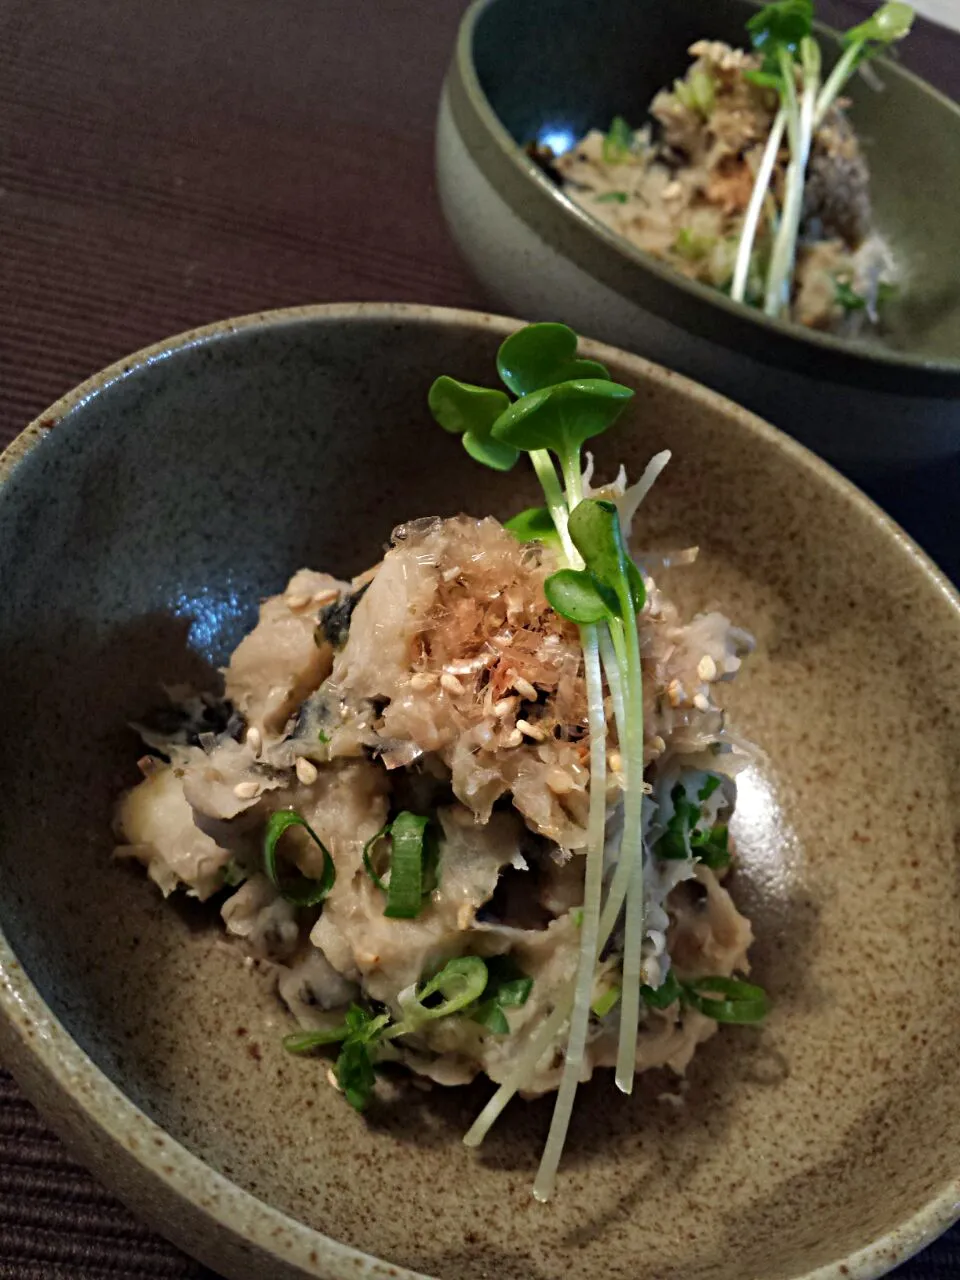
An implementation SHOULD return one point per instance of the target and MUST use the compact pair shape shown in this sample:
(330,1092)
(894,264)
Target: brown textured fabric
(166,164)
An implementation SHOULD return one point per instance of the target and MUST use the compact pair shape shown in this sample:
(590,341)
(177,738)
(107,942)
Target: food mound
(751,178)
(416,788)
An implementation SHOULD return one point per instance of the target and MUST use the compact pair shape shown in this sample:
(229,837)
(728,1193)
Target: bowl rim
(693,306)
(48,1062)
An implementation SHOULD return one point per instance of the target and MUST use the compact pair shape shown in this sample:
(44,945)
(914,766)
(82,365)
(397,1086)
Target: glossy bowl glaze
(549,70)
(142,518)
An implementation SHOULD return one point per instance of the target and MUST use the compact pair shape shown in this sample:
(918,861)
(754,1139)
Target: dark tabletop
(164,163)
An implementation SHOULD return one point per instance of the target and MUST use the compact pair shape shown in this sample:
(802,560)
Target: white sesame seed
(524,688)
(707,668)
(422,680)
(332,1079)
(450,683)
(306,770)
(701,702)
(448,575)
(651,972)
(531,730)
(672,190)
(246,790)
(675,693)
(503,707)
(297,602)
(615,761)
(326,596)
(512,739)
(254,738)
(658,744)
(559,782)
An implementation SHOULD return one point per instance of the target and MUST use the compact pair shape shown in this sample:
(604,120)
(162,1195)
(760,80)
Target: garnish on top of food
(752,179)
(473,807)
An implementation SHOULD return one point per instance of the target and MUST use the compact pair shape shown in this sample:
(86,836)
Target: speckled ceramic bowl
(143,516)
(551,69)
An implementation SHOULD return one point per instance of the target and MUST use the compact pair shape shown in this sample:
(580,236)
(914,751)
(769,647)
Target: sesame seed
(701,702)
(559,782)
(450,683)
(422,680)
(672,190)
(675,693)
(246,790)
(531,730)
(524,688)
(306,770)
(297,602)
(464,917)
(503,707)
(326,596)
(707,668)
(448,575)
(332,1079)
(512,739)
(254,738)
(658,744)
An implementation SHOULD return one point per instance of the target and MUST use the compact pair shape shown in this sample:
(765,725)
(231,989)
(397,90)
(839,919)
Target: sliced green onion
(368,850)
(612,197)
(413,864)
(405,890)
(460,982)
(662,997)
(605,1002)
(618,142)
(301,891)
(727,999)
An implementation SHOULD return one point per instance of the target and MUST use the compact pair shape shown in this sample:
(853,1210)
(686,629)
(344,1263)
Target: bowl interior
(595,66)
(135,541)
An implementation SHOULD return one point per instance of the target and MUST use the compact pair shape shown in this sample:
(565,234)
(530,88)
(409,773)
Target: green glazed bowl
(144,516)
(551,69)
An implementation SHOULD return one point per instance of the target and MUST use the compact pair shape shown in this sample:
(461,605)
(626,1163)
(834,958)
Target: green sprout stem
(800,116)
(751,221)
(590,929)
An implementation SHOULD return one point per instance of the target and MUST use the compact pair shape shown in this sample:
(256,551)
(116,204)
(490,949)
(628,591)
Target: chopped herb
(300,890)
(886,292)
(619,142)
(681,839)
(847,297)
(691,246)
(508,987)
(612,197)
(323,736)
(233,874)
(712,847)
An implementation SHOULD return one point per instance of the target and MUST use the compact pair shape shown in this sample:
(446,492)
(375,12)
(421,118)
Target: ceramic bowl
(549,70)
(141,520)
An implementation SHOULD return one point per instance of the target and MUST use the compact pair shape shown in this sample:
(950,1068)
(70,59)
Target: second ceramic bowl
(548,70)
